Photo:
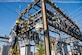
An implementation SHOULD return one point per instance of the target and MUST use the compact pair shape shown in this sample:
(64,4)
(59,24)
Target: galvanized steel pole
(46,30)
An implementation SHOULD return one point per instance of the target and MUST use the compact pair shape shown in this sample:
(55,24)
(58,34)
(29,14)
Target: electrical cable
(72,13)
(76,14)
(9,8)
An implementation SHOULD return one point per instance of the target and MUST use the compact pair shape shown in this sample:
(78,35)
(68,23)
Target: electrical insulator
(36,38)
(38,27)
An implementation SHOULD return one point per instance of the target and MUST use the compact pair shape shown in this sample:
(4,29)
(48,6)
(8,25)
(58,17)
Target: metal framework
(50,15)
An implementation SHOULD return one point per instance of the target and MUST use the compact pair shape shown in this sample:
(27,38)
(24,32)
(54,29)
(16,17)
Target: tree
(40,48)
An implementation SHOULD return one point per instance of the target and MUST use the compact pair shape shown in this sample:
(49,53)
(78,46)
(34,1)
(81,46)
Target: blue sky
(9,12)
(8,15)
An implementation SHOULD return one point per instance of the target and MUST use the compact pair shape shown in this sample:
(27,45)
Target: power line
(79,16)
(67,1)
(75,11)
(76,14)
(25,3)
(15,6)
(19,8)
(8,8)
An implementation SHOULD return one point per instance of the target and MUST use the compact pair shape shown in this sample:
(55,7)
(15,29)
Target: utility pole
(46,30)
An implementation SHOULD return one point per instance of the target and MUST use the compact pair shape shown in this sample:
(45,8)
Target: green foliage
(40,48)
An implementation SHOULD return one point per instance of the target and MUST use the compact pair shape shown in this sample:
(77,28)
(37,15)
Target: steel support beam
(4,37)
(46,29)
(67,32)
(27,9)
(64,15)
